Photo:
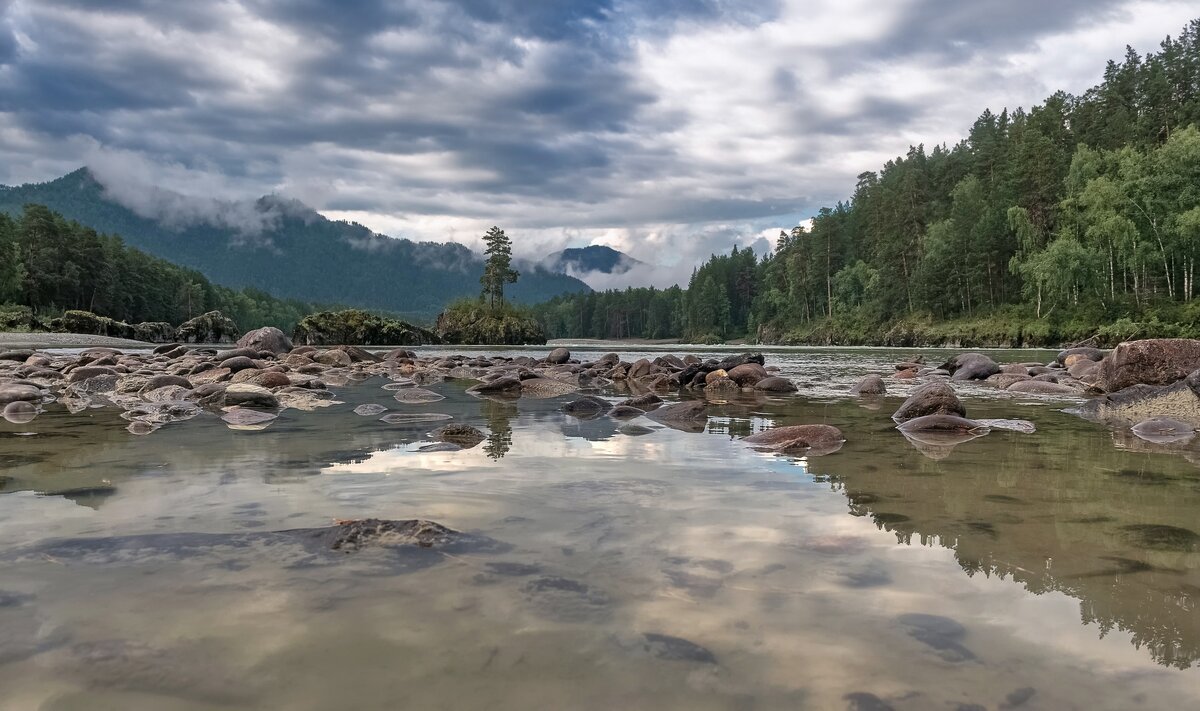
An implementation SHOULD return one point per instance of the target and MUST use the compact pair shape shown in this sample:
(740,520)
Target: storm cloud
(666,129)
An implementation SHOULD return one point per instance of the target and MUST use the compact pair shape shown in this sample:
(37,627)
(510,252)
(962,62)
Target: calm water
(632,567)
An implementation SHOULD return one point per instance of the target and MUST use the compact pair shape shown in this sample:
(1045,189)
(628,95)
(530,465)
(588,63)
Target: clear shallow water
(660,569)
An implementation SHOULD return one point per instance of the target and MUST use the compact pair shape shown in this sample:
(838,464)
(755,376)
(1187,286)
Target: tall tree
(497,271)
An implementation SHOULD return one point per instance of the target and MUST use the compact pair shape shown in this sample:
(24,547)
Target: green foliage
(472,322)
(357,327)
(51,265)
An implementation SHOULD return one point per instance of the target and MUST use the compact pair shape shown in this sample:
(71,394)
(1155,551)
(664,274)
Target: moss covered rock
(473,323)
(212,327)
(356,327)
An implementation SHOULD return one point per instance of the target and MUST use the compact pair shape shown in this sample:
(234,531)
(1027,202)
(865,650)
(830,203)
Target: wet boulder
(19,393)
(791,437)
(503,385)
(1073,355)
(1155,361)
(971,366)
(870,385)
(247,395)
(776,384)
(747,374)
(648,401)
(237,363)
(1041,387)
(734,361)
(942,423)
(931,399)
(558,356)
(690,416)
(587,406)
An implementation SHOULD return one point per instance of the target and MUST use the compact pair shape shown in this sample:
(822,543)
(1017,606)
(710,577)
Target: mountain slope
(290,250)
(593,258)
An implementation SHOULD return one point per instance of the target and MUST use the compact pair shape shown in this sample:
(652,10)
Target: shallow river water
(625,565)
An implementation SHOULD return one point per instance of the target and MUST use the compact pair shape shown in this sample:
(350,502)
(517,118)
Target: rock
(212,327)
(747,374)
(1004,380)
(1156,361)
(825,438)
(246,395)
(269,379)
(162,380)
(10,393)
(690,416)
(334,357)
(775,384)
(930,399)
(167,393)
(1092,354)
(586,406)
(1143,402)
(88,371)
(154,332)
(870,385)
(1040,387)
(20,355)
(245,418)
(676,649)
(370,410)
(417,396)
(357,327)
(464,436)
(643,402)
(237,363)
(498,386)
(625,412)
(971,366)
(267,338)
(558,356)
(942,423)
(721,387)
(542,388)
(734,361)
(212,375)
(1022,426)
(715,375)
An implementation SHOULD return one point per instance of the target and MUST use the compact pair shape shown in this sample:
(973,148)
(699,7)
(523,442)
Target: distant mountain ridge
(593,258)
(288,249)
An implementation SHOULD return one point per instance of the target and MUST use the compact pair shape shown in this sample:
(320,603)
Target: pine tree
(498,270)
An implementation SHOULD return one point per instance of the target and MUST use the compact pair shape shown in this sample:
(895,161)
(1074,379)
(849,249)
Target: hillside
(593,258)
(292,252)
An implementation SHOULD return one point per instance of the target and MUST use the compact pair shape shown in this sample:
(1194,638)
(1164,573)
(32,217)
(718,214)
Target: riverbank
(33,340)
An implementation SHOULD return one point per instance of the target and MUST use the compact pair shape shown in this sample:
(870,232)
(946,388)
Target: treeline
(1057,220)
(51,265)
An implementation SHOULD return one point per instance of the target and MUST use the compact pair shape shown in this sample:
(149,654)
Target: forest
(49,264)
(1077,219)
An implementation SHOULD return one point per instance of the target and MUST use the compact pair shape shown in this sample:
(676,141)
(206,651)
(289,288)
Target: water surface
(632,565)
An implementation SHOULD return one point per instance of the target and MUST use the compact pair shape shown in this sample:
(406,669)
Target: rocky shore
(1150,388)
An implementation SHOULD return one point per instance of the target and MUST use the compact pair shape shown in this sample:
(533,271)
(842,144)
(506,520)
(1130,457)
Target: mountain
(286,248)
(594,258)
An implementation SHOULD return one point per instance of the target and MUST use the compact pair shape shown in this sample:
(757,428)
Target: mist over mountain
(580,261)
(281,246)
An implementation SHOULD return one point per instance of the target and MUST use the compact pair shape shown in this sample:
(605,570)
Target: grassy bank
(1010,328)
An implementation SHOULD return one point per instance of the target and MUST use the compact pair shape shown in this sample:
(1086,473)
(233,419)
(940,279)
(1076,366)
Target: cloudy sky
(665,128)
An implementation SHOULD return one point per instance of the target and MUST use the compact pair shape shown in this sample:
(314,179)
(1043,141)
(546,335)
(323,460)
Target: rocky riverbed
(1149,387)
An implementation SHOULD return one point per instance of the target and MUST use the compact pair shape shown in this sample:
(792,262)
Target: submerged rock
(821,438)
(942,423)
(776,384)
(870,385)
(465,436)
